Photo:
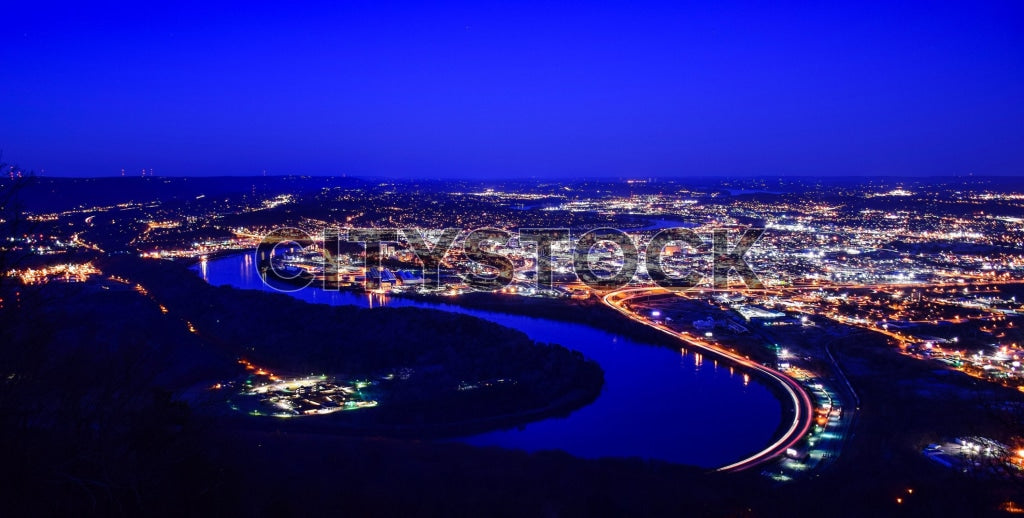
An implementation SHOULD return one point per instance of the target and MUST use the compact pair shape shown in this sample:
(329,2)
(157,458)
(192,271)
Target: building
(409,277)
(380,278)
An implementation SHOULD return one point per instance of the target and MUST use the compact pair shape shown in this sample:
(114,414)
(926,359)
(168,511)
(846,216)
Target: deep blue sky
(679,89)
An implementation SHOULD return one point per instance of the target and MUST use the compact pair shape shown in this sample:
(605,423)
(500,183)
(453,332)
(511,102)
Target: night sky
(549,89)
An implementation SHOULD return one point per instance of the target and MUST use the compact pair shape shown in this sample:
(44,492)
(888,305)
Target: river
(656,403)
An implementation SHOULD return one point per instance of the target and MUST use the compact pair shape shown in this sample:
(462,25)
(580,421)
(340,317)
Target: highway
(803,414)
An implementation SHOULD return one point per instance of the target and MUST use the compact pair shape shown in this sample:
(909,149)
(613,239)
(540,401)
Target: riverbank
(654,393)
(595,314)
(438,351)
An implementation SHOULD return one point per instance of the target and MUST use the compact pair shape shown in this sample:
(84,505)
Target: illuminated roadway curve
(803,409)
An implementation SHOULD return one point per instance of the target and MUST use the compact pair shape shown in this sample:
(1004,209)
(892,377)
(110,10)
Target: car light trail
(803,409)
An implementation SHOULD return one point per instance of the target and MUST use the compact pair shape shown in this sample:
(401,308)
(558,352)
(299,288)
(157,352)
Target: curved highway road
(801,402)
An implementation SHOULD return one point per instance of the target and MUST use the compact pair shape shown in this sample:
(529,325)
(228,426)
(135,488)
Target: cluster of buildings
(979,456)
(72,272)
(264,393)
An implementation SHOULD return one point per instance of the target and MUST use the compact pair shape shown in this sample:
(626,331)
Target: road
(803,414)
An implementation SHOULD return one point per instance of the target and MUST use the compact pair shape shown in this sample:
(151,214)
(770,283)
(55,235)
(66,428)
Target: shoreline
(595,313)
(802,406)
